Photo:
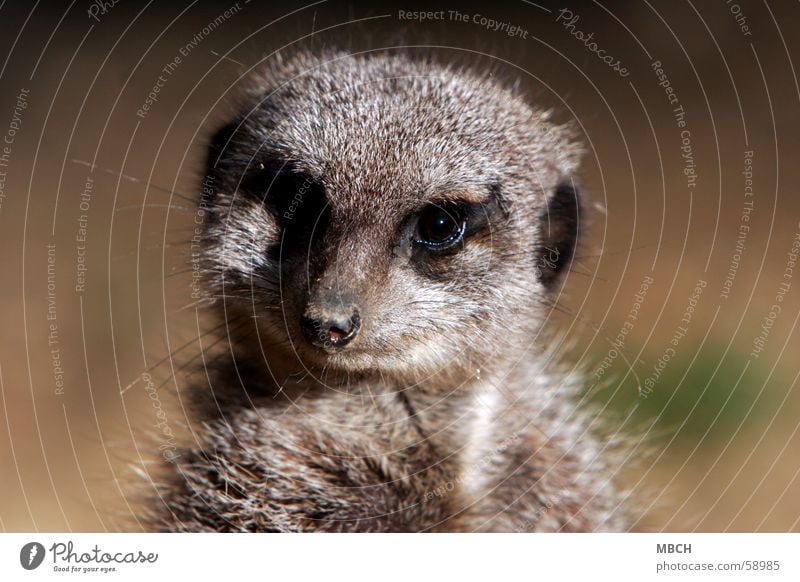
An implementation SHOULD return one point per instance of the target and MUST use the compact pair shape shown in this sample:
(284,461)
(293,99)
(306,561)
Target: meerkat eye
(440,226)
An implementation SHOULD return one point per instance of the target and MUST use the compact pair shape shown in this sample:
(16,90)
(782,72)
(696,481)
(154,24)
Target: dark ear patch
(220,146)
(559,224)
(219,153)
(295,198)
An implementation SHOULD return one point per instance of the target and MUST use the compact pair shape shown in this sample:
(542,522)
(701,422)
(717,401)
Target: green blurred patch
(711,396)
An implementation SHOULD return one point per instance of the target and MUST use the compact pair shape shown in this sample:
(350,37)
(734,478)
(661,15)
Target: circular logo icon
(31,555)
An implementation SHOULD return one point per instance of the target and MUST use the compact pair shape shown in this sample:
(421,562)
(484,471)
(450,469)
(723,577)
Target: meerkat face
(381,214)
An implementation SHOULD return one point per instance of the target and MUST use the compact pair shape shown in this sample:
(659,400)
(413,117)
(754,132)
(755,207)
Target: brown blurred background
(87,383)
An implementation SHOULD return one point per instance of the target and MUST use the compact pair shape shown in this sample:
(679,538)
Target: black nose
(334,331)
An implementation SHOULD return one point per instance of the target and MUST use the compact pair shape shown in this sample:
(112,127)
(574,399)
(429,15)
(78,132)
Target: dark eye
(440,226)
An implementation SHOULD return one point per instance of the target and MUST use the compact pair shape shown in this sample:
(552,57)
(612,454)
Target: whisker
(134,179)
(159,206)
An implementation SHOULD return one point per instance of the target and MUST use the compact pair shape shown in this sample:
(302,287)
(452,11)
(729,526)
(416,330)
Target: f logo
(31,555)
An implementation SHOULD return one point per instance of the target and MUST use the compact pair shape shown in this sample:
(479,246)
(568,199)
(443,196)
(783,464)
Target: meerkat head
(380,213)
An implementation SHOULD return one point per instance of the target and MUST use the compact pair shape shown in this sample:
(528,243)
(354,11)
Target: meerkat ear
(559,226)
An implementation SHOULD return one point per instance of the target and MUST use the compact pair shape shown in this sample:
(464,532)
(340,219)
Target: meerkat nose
(333,331)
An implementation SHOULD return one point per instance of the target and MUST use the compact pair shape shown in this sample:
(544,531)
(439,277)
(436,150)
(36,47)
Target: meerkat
(382,240)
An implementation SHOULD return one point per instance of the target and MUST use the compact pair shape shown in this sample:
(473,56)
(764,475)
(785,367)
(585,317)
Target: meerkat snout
(333,325)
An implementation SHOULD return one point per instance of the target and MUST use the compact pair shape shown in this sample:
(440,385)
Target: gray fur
(444,414)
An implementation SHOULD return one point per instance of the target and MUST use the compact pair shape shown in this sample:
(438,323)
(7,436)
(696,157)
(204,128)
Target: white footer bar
(401,557)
